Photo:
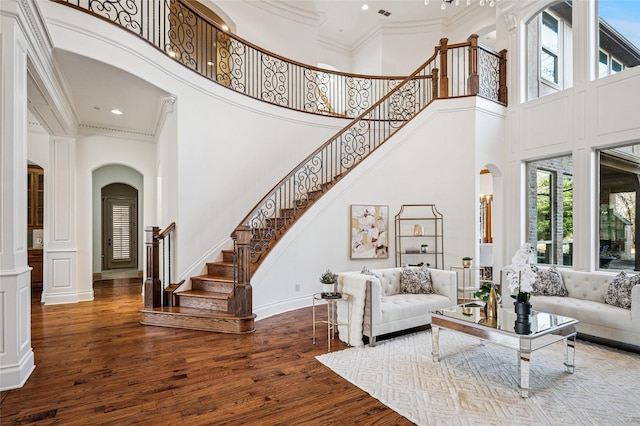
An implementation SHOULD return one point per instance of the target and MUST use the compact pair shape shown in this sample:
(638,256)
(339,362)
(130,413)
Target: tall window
(550,43)
(550,209)
(618,36)
(619,186)
(549,51)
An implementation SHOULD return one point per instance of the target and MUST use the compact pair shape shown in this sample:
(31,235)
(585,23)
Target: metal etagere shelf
(419,235)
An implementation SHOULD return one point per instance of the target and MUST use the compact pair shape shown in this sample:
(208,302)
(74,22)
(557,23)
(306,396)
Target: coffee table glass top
(473,313)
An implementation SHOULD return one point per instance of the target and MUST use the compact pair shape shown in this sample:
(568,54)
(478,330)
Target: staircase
(206,306)
(221,300)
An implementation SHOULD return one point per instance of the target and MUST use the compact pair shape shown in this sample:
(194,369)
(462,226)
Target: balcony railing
(201,45)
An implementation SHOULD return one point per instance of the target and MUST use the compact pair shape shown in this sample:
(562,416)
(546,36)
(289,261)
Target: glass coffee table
(545,330)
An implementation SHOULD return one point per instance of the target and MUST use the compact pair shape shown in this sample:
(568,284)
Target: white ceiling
(344,23)
(96,88)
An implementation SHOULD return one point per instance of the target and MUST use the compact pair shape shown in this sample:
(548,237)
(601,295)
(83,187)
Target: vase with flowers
(520,281)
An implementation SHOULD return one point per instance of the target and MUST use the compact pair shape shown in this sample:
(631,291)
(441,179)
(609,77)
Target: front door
(120,226)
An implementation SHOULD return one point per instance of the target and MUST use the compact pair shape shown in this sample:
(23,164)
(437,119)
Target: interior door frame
(109,200)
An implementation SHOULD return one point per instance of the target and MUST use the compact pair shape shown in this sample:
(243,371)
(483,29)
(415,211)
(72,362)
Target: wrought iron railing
(380,105)
(201,45)
(335,158)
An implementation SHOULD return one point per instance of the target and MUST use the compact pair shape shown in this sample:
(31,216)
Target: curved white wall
(431,160)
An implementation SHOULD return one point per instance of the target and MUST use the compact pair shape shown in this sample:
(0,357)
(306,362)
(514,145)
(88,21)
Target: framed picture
(369,232)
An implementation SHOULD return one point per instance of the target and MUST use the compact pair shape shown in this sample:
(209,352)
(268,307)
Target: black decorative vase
(523,317)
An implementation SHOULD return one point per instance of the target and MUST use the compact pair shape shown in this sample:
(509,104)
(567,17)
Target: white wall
(414,167)
(279,28)
(38,146)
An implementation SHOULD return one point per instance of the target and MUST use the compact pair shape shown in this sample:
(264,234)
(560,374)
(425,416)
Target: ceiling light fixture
(116,112)
(444,3)
(365,7)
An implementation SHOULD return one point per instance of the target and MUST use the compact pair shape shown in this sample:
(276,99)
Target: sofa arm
(445,283)
(635,304)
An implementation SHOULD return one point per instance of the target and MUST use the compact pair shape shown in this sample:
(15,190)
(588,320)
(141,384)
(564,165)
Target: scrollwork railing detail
(198,43)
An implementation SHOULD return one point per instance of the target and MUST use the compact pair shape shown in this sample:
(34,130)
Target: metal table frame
(332,316)
(565,329)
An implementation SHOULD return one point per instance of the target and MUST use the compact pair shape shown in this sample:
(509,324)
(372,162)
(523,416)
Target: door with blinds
(120,243)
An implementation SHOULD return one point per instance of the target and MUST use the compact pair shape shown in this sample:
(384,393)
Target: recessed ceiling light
(116,112)
(365,7)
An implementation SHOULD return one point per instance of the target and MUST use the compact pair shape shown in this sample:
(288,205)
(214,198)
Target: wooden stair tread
(204,294)
(221,262)
(172,287)
(220,278)
(203,313)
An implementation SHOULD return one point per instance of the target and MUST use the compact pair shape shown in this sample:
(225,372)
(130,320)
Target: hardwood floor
(95,364)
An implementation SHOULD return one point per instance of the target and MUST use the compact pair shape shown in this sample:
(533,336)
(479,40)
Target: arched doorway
(119,227)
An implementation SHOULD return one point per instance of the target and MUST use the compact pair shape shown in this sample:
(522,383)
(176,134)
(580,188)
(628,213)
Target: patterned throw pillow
(619,290)
(548,283)
(416,281)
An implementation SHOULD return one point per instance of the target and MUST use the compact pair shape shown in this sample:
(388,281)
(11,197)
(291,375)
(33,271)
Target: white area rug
(479,384)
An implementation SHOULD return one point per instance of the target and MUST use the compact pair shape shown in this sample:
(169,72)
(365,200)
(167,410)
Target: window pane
(619,175)
(543,205)
(550,209)
(567,220)
(549,66)
(603,64)
(549,36)
(121,232)
(615,66)
(618,34)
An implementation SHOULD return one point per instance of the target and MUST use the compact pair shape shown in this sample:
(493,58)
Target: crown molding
(100,129)
(288,11)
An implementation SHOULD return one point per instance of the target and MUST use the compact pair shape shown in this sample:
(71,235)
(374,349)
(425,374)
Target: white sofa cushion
(585,311)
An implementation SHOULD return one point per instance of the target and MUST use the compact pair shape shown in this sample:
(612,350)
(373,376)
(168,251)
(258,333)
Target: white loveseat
(585,302)
(377,305)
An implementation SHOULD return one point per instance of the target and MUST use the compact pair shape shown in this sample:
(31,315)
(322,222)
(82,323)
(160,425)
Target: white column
(60,256)
(16,354)
(585,42)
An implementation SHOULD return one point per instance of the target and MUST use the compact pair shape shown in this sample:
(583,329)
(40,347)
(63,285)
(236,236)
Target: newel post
(444,80)
(503,95)
(473,81)
(243,299)
(152,284)
(434,83)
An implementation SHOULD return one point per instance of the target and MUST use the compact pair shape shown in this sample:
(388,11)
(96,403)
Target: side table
(332,316)
(468,280)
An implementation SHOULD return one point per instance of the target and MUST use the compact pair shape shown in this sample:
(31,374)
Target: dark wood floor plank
(95,364)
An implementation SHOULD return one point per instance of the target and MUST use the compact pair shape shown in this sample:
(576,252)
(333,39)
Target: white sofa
(378,307)
(585,302)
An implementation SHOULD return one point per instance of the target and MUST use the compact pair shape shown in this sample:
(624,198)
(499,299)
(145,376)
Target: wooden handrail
(270,217)
(166,230)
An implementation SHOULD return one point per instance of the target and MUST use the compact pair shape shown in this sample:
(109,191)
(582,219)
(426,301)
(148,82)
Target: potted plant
(328,280)
(490,298)
(466,262)
(484,290)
